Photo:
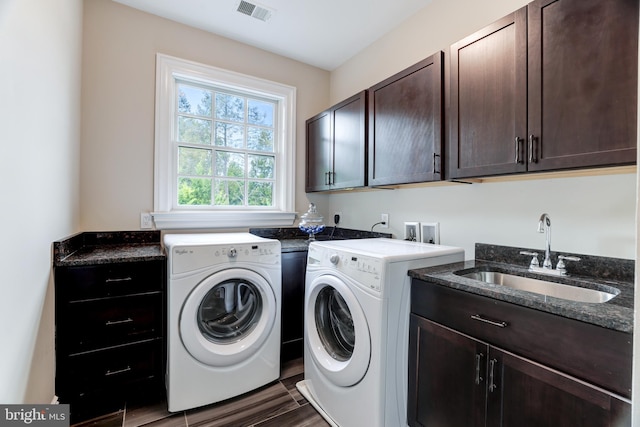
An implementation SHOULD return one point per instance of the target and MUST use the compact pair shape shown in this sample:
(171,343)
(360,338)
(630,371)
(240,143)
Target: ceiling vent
(254,10)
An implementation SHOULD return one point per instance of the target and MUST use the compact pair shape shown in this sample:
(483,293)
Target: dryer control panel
(367,271)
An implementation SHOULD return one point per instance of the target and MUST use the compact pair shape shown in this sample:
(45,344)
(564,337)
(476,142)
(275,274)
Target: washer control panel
(366,271)
(190,258)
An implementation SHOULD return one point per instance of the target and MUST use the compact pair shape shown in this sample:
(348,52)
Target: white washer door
(337,331)
(227,317)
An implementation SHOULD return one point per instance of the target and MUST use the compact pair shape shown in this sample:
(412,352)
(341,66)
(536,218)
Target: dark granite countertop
(594,272)
(91,248)
(293,239)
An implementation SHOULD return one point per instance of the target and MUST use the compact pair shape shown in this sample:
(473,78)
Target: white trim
(167,215)
(178,220)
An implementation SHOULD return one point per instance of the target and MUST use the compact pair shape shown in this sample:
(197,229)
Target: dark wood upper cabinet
(489,100)
(551,86)
(336,146)
(583,71)
(319,148)
(405,125)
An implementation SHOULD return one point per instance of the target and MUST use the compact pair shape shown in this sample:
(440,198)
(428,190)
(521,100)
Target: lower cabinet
(110,344)
(294,268)
(507,369)
(458,381)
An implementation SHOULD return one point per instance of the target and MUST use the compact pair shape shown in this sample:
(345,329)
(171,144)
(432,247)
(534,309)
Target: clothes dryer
(357,295)
(223,316)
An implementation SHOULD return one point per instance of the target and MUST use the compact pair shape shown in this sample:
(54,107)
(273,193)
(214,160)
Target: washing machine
(356,311)
(223,316)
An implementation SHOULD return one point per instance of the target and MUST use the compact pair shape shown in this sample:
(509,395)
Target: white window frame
(166,215)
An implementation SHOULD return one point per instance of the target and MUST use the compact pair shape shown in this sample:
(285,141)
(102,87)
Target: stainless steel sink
(542,287)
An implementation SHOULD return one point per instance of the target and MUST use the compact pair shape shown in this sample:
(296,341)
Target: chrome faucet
(544,226)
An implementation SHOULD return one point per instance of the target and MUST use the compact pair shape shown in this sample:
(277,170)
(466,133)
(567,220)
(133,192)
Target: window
(224,150)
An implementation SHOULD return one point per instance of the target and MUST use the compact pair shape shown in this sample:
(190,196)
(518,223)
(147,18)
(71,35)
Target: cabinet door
(526,394)
(349,143)
(583,70)
(294,267)
(405,125)
(319,148)
(447,377)
(489,100)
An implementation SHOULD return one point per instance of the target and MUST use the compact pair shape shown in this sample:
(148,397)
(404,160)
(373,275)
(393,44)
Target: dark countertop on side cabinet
(91,248)
(591,272)
(293,239)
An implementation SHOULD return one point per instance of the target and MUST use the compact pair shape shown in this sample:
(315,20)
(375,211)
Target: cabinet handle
(120,279)
(497,323)
(119,371)
(492,379)
(518,141)
(327,178)
(479,357)
(118,322)
(532,157)
(332,178)
(435,170)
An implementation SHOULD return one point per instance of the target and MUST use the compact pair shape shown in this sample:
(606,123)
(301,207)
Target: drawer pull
(119,371)
(532,157)
(119,279)
(479,357)
(491,322)
(518,141)
(435,164)
(492,378)
(118,322)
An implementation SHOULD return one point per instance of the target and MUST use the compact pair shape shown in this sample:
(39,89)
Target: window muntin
(225,146)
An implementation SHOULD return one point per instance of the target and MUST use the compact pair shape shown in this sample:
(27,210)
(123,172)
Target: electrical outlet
(385,219)
(337,217)
(146,221)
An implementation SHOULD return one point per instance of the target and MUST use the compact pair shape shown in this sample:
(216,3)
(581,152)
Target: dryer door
(337,332)
(227,317)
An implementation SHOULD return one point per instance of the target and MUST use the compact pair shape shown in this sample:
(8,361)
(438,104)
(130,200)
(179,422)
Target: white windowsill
(231,219)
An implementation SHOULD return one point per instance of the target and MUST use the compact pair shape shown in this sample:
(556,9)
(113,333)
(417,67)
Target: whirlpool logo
(34,415)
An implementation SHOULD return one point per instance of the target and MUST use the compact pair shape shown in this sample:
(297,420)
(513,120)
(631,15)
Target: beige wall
(118,90)
(434,28)
(40,46)
(590,215)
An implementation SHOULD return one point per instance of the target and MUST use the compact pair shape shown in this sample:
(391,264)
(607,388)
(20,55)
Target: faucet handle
(534,261)
(561,267)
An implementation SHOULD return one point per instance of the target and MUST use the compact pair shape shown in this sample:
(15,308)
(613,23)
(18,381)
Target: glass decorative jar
(311,222)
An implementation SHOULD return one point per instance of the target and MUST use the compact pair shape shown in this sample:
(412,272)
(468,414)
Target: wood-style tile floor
(278,404)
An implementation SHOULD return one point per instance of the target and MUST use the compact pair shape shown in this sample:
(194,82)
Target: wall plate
(430,232)
(412,231)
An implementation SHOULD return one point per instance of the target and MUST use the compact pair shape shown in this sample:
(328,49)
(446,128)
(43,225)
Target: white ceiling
(322,33)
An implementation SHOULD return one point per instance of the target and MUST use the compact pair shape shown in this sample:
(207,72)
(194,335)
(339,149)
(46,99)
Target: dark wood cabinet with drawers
(109,333)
